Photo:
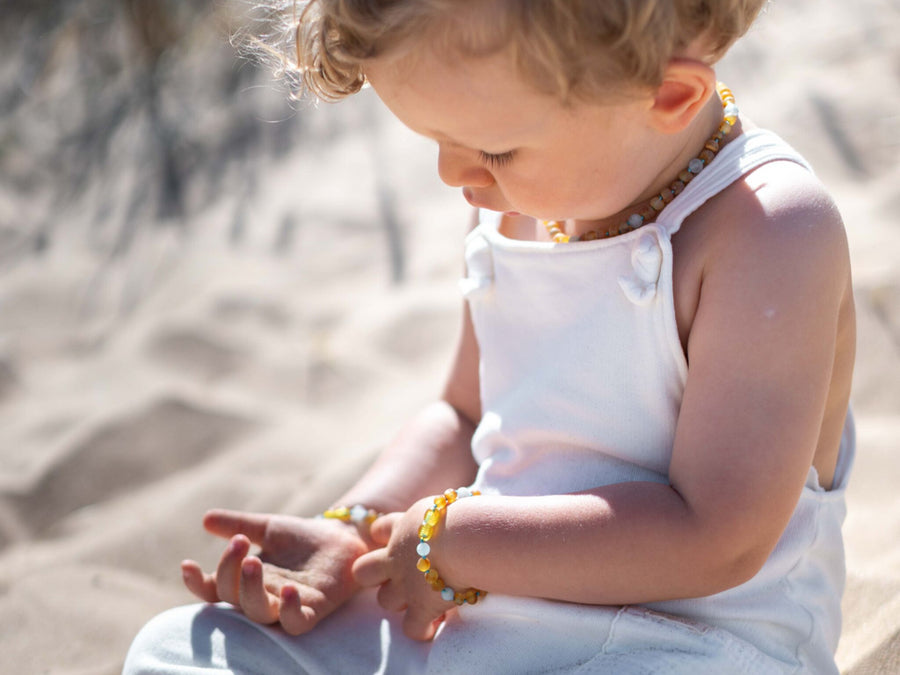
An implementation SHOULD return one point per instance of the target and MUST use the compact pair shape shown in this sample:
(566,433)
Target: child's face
(513,149)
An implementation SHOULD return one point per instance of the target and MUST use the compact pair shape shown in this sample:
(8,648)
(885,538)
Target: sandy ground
(263,376)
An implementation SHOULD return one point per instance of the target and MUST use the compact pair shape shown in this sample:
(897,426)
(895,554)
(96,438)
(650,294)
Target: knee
(164,644)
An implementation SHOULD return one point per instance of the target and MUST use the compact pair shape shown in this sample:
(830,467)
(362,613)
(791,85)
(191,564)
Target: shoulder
(786,199)
(777,223)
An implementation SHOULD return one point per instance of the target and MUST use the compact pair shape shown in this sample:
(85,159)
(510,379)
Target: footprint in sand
(188,350)
(124,453)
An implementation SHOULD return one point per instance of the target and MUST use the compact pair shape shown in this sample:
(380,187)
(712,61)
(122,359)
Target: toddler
(648,406)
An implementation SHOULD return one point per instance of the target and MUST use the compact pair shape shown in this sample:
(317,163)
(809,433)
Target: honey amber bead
(450,495)
(649,213)
(707,156)
(425,532)
(423,565)
(624,228)
(677,188)
(712,144)
(440,502)
(685,176)
(432,517)
(438,584)
(667,195)
(589,236)
(657,203)
(431,576)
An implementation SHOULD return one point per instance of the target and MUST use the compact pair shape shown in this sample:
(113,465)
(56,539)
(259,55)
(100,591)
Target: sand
(264,375)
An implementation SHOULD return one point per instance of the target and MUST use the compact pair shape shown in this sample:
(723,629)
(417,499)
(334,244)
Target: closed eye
(500,159)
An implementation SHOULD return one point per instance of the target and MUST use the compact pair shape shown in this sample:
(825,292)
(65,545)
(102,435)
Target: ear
(686,87)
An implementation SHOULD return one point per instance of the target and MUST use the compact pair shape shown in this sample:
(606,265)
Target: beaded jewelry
(426,532)
(653,208)
(358,514)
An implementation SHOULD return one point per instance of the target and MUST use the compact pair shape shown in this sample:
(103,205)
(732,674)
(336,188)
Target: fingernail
(250,566)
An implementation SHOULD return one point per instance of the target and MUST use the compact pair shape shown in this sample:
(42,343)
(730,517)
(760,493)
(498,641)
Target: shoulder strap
(747,152)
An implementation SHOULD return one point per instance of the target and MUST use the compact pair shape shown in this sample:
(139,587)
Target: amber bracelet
(358,514)
(426,532)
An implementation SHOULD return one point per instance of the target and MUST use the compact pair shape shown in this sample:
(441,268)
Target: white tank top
(582,376)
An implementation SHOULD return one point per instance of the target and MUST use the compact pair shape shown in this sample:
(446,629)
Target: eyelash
(498,160)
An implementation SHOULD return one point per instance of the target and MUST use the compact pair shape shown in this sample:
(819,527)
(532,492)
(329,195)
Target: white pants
(500,635)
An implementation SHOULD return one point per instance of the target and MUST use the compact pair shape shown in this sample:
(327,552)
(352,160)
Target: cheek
(554,195)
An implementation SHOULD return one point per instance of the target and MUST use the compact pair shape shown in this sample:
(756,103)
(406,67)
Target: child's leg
(359,638)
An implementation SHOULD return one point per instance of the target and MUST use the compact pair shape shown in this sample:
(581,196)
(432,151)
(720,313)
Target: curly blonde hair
(582,49)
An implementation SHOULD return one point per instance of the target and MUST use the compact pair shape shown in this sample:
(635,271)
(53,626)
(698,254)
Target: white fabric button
(646,261)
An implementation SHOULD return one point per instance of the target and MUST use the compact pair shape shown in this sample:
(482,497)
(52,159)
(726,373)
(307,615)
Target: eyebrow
(442,137)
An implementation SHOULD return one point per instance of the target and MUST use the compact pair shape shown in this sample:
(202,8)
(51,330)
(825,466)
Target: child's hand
(301,575)
(393,567)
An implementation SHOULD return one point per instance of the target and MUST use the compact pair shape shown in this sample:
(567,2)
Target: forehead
(478,102)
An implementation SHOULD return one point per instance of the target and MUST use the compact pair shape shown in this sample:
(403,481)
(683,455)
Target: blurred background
(211,295)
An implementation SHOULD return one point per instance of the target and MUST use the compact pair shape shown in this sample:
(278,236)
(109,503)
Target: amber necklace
(653,208)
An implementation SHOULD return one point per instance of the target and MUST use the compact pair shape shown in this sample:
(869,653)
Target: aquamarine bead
(731,110)
(635,220)
(447,593)
(463,492)
(358,513)
(423,549)
(695,165)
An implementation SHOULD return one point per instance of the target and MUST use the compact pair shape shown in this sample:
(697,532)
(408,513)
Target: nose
(459,167)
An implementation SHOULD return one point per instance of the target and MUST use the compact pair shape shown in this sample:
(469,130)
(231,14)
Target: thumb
(382,527)
(370,569)
(226,524)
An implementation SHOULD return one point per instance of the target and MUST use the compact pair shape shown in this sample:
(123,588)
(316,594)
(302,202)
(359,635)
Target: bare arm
(431,452)
(761,351)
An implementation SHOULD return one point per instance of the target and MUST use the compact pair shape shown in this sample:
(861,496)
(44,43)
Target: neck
(684,148)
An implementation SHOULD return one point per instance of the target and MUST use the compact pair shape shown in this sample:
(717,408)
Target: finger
(224,523)
(200,584)
(228,573)
(256,602)
(381,528)
(295,617)
(420,625)
(371,569)
(390,597)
